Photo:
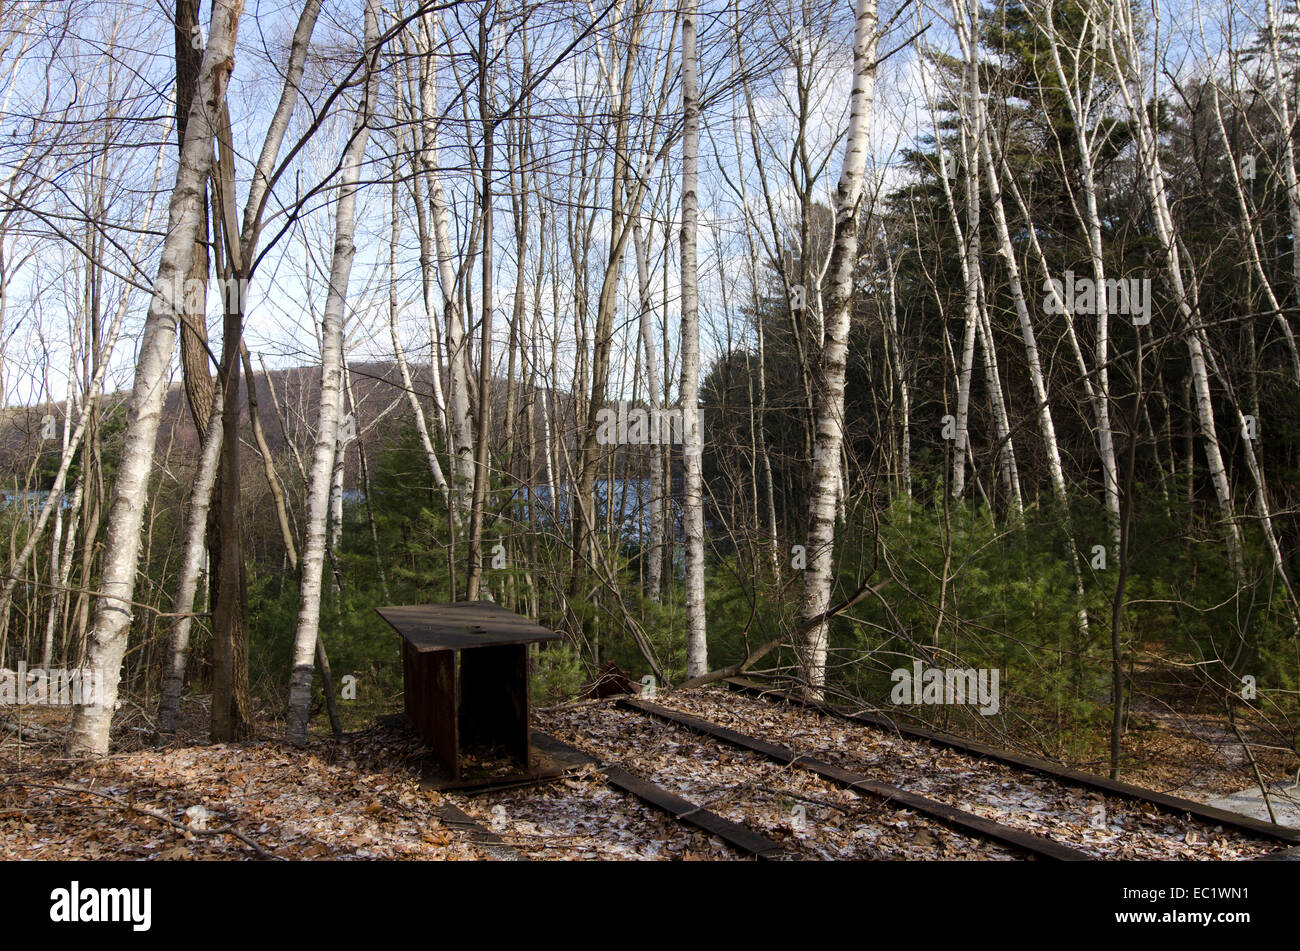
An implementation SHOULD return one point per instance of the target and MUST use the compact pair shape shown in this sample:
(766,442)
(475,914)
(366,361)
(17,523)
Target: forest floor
(360,797)
(355,799)
(1180,741)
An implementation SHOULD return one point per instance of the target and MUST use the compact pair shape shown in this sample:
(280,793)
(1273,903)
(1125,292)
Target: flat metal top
(465,624)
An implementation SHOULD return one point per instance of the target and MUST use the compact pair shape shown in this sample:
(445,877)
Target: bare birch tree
(331,396)
(90,727)
(849,197)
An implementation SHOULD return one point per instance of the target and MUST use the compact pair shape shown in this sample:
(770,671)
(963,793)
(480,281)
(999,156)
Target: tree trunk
(1128,63)
(483,424)
(697,645)
(645,306)
(196,523)
(819,577)
(108,636)
(417,408)
(331,399)
(462,429)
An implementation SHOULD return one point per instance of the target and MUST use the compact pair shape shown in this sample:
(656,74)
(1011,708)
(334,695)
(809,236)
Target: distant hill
(376,386)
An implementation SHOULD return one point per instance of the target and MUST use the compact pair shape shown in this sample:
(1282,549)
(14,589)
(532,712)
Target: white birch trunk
(335,534)
(1005,454)
(260,186)
(331,401)
(900,373)
(192,563)
(819,576)
(56,537)
(1047,426)
(109,630)
(429,273)
(654,568)
(1286,128)
(1046,423)
(1082,118)
(966,21)
(1252,244)
(1127,62)
(417,408)
(697,647)
(462,426)
(1262,506)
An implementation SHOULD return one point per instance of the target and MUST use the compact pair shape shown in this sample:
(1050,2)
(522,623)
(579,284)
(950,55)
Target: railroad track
(1055,779)
(750,784)
(535,819)
(738,836)
(751,829)
(1044,767)
(1029,843)
(721,782)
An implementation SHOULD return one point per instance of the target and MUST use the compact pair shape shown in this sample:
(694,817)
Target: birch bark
(458,376)
(1081,114)
(196,523)
(819,577)
(1285,124)
(89,733)
(697,645)
(331,399)
(417,408)
(1126,58)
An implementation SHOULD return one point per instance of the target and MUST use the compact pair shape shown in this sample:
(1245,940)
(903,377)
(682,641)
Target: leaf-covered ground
(1098,825)
(360,797)
(355,799)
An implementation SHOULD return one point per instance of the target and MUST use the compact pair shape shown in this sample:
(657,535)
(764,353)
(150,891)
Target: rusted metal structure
(465,678)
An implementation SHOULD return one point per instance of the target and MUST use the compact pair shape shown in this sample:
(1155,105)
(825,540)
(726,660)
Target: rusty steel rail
(966,822)
(484,839)
(1047,768)
(735,834)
